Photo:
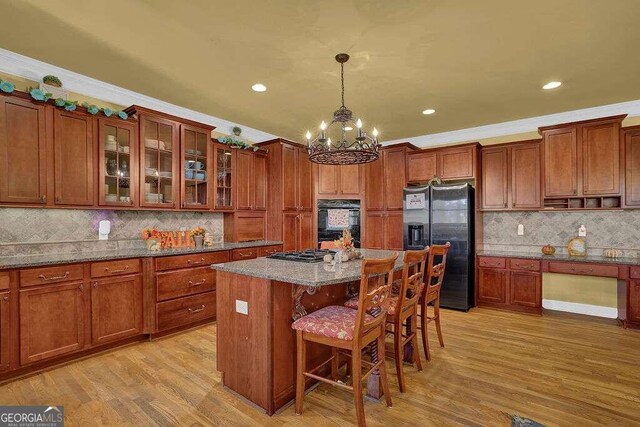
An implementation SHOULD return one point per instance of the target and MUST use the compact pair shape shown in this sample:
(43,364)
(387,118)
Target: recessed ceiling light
(552,85)
(348,128)
(429,111)
(259,87)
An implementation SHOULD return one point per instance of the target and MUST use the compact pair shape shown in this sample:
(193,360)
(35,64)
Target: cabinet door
(5,331)
(224,160)
(394,178)
(492,286)
(633,314)
(350,180)
(328,180)
(374,236)
(23,161)
(243,180)
(374,185)
(632,168)
(525,176)
(393,224)
(73,155)
(116,308)
(52,320)
(118,146)
(290,231)
(422,167)
(305,181)
(305,224)
(260,181)
(159,162)
(525,289)
(289,178)
(601,159)
(196,168)
(456,163)
(495,178)
(560,148)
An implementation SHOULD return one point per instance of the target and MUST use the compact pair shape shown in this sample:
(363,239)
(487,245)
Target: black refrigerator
(442,213)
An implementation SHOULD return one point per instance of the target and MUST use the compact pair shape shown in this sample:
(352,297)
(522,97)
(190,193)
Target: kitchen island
(257,301)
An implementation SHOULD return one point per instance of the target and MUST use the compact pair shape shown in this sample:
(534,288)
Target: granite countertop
(562,257)
(302,273)
(22,261)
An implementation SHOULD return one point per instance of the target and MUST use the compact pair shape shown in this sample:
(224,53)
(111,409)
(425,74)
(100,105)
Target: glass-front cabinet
(224,160)
(196,167)
(118,150)
(159,162)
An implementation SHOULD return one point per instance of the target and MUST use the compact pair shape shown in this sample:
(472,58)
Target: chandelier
(362,149)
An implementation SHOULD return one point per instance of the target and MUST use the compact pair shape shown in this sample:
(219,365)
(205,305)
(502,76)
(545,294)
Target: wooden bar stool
(431,294)
(348,332)
(403,308)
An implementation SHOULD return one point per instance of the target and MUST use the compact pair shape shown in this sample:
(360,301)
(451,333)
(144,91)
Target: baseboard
(574,307)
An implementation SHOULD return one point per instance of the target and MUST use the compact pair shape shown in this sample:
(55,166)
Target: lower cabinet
(297,231)
(116,308)
(185,311)
(492,286)
(5,332)
(514,285)
(52,321)
(525,289)
(633,304)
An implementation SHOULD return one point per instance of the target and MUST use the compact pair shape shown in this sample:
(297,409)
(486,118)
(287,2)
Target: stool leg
(335,364)
(414,340)
(436,308)
(383,371)
(425,336)
(301,367)
(356,371)
(398,353)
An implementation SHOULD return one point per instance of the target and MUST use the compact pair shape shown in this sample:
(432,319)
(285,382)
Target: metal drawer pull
(245,254)
(122,270)
(64,276)
(196,310)
(195,262)
(201,282)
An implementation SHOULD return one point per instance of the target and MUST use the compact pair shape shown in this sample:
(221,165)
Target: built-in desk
(513,280)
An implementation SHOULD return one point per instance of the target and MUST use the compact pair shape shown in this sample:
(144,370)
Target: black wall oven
(337,215)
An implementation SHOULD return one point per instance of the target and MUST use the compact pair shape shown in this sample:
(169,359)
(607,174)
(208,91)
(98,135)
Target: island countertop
(303,273)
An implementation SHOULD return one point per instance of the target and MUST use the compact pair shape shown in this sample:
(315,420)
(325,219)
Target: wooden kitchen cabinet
(296,179)
(224,159)
(196,168)
(116,308)
(245,226)
(422,166)
(117,162)
(514,285)
(495,178)
(73,152)
(394,177)
(23,159)
(457,162)
(259,180)
(492,286)
(338,181)
(632,166)
(393,228)
(601,159)
(633,304)
(298,234)
(525,289)
(251,180)
(5,331)
(327,180)
(560,148)
(52,321)
(383,230)
(374,185)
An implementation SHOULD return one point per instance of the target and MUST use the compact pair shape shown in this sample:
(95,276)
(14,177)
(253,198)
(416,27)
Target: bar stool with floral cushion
(404,308)
(431,294)
(348,332)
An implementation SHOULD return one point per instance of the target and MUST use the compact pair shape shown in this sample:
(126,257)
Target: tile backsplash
(605,229)
(34,231)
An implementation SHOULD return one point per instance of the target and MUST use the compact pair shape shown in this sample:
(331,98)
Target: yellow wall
(580,289)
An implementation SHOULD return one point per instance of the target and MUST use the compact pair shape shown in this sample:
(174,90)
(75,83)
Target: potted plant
(198,236)
(152,237)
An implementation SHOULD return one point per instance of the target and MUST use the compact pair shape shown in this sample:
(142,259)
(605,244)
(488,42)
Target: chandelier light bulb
(328,142)
(323,125)
(359,123)
(308,135)
(375,132)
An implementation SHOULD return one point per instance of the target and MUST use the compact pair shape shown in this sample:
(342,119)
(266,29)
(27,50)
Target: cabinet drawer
(244,253)
(191,260)
(269,250)
(115,268)
(524,264)
(181,283)
(4,280)
(634,273)
(492,262)
(584,269)
(53,274)
(185,311)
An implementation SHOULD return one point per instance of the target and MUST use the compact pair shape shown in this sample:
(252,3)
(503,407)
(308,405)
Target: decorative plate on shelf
(577,247)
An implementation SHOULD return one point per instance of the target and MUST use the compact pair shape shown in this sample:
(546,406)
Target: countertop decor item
(6,87)
(198,236)
(577,247)
(343,151)
(52,81)
(548,250)
(611,253)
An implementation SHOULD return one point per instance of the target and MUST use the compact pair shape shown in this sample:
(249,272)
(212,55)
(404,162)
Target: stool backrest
(375,292)
(435,273)
(412,277)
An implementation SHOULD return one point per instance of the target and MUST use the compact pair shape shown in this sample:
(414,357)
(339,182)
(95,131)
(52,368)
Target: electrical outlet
(582,231)
(520,230)
(242,307)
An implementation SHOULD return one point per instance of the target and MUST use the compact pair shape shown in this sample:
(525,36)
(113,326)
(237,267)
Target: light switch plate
(242,307)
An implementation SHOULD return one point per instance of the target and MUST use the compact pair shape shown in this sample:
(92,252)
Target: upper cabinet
(251,184)
(296,179)
(511,176)
(581,166)
(454,163)
(338,181)
(224,159)
(385,180)
(632,166)
(23,169)
(195,161)
(117,162)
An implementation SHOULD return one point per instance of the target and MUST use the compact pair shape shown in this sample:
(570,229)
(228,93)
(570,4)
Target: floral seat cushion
(333,321)
(393,301)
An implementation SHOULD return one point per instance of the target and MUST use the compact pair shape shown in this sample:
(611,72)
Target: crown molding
(631,108)
(32,69)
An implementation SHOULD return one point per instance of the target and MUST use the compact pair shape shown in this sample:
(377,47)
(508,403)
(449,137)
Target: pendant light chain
(342,81)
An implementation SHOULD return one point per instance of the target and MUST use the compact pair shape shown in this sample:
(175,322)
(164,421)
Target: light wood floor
(558,370)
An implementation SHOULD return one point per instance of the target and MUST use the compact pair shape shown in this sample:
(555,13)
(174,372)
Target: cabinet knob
(43,198)
(58,199)
(5,298)
(95,285)
(81,287)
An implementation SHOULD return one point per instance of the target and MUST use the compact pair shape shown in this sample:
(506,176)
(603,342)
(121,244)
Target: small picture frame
(577,247)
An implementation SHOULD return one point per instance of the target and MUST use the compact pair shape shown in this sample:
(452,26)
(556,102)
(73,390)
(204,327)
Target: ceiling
(475,62)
